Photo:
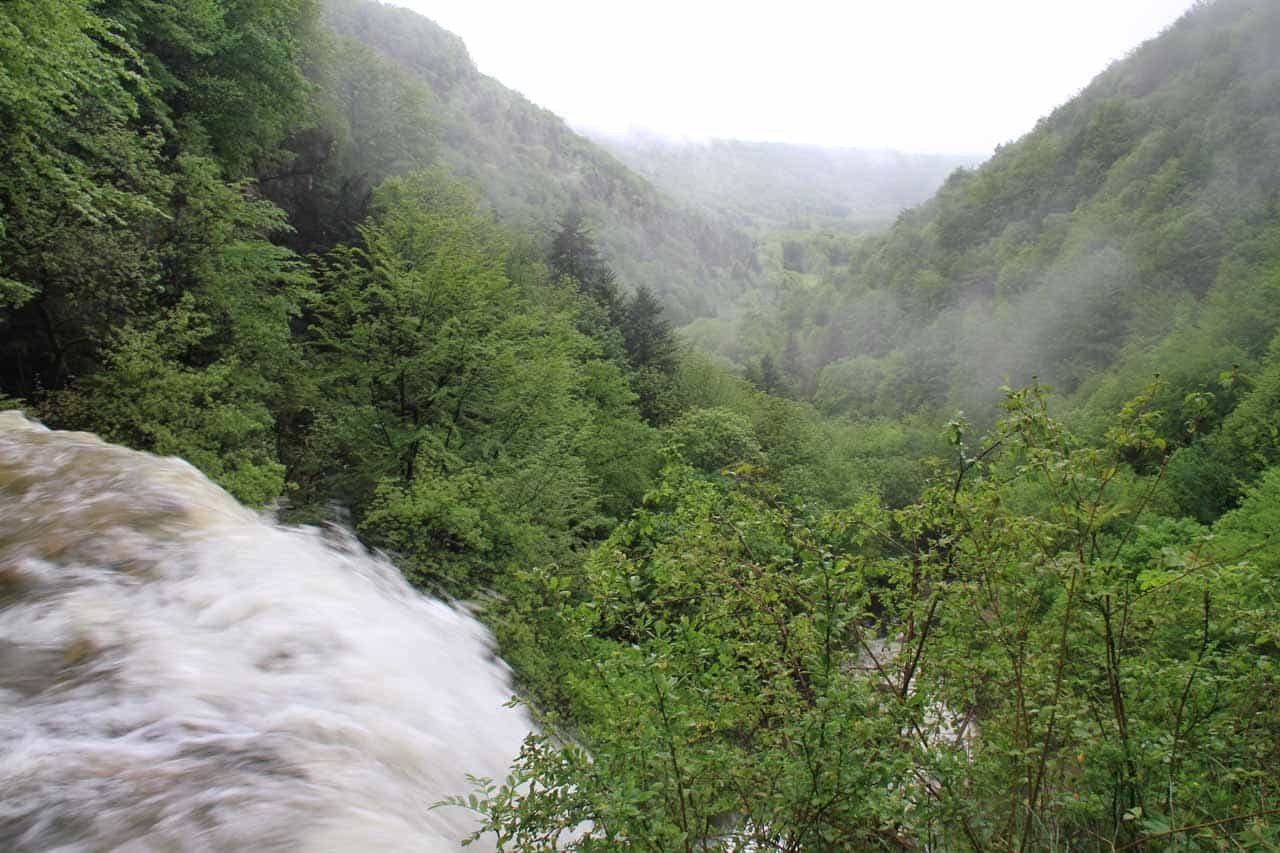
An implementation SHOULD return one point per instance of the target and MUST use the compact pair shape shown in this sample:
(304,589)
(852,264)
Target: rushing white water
(179,674)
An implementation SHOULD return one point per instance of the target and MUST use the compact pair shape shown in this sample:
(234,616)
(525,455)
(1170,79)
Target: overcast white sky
(955,76)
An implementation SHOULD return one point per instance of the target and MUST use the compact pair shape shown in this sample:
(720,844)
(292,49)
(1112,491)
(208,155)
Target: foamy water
(178,673)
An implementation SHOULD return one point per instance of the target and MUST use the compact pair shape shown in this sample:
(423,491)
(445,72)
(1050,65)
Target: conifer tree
(574,255)
(647,334)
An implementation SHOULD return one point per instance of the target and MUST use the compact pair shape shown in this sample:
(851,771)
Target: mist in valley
(575,427)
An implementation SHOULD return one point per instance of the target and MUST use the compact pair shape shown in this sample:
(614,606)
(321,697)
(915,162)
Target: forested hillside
(773,185)
(1133,232)
(798,602)
(231,234)
(532,168)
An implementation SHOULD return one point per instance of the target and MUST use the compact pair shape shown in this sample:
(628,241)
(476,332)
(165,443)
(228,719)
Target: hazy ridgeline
(1131,232)
(531,167)
(317,255)
(764,185)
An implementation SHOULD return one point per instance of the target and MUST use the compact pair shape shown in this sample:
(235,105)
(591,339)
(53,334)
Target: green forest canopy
(794,602)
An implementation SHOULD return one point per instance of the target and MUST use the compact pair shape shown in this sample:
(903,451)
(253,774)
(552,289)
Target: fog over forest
(920,76)
(386,464)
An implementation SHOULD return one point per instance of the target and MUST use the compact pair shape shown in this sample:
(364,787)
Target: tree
(767,377)
(372,120)
(131,127)
(712,439)
(574,255)
(227,76)
(1022,657)
(80,189)
(650,354)
(206,374)
(460,414)
(647,335)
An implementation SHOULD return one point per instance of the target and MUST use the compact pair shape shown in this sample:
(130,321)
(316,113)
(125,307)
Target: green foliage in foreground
(797,639)
(455,407)
(1024,658)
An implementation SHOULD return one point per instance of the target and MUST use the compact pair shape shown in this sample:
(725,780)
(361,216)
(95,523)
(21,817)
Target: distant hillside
(1134,230)
(767,184)
(532,167)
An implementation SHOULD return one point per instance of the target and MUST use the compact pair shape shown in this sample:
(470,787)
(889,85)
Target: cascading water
(178,673)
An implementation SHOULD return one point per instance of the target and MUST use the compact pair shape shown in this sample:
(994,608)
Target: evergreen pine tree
(573,254)
(647,335)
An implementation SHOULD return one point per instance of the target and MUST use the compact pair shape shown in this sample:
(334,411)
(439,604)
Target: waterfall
(180,673)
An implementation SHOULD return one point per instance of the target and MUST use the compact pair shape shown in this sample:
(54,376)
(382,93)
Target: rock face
(179,673)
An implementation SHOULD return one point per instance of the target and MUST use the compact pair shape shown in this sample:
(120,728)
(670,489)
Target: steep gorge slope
(1132,231)
(532,167)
